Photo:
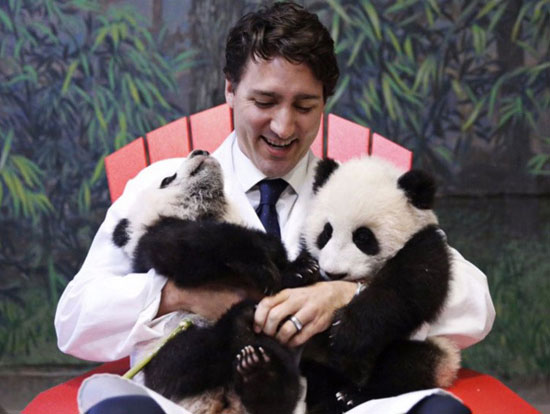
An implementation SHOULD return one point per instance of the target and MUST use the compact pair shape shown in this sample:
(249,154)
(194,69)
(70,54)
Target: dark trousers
(439,404)
(128,404)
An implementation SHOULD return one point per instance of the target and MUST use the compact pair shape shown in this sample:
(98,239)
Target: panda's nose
(199,152)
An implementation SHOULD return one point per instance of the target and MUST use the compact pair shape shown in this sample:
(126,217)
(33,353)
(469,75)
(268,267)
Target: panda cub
(187,230)
(372,223)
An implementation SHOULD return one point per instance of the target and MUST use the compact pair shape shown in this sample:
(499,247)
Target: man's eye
(261,104)
(303,109)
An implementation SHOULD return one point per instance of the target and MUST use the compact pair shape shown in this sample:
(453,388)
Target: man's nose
(283,124)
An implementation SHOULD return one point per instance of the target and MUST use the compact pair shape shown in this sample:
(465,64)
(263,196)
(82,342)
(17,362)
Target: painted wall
(464,84)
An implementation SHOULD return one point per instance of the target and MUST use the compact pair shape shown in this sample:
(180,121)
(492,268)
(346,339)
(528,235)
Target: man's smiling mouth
(278,145)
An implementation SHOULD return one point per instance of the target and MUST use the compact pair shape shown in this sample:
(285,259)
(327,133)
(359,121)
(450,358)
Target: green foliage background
(464,84)
(76,82)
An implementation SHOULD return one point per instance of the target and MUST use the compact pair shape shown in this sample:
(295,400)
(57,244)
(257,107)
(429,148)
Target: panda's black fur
(367,352)
(189,233)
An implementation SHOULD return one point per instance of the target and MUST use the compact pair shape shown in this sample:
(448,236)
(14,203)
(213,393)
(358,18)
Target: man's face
(277,109)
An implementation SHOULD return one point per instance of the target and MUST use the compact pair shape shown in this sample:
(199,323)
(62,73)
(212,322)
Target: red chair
(206,130)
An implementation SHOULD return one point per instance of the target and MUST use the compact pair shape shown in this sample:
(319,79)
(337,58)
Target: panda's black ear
(419,187)
(323,170)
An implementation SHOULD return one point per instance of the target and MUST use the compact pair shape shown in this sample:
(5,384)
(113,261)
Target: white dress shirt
(107,311)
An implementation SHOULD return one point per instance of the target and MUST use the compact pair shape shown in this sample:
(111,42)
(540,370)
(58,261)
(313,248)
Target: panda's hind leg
(267,379)
(409,365)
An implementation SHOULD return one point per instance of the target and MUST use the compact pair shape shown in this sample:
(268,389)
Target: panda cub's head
(364,212)
(194,192)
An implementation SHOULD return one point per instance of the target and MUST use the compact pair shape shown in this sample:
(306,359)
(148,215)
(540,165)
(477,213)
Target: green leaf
(394,41)
(337,7)
(98,170)
(337,94)
(133,90)
(490,5)
(400,6)
(373,17)
(388,96)
(474,115)
(356,48)
(409,49)
(480,38)
(494,94)
(100,37)
(99,115)
(519,20)
(495,19)
(6,21)
(68,77)
(6,149)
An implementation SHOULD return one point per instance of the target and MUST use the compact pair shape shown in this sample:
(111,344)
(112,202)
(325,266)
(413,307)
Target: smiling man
(280,69)
(278,107)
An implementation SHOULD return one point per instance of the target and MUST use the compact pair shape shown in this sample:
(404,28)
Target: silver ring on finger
(297,323)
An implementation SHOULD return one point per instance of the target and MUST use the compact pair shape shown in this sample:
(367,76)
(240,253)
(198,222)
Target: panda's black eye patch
(325,236)
(365,240)
(166,181)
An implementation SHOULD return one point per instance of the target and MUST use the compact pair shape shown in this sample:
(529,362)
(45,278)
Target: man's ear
(229,92)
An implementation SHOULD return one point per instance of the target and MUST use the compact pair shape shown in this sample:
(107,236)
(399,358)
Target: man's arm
(468,314)
(467,317)
(107,309)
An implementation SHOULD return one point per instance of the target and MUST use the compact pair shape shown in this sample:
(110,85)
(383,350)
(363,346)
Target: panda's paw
(344,401)
(303,271)
(252,362)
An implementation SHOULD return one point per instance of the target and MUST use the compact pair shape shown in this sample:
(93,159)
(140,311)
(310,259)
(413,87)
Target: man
(280,69)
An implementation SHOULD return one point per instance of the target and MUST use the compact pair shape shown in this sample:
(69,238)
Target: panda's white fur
(179,198)
(363,192)
(187,229)
(373,222)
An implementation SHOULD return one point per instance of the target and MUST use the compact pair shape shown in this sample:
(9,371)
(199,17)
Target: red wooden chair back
(206,130)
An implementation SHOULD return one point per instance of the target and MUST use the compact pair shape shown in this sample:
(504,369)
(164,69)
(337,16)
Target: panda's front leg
(354,345)
(302,271)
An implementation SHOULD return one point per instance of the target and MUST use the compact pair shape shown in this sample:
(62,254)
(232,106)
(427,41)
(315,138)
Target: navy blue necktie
(270,191)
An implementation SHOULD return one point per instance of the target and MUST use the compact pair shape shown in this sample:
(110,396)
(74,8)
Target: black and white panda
(187,230)
(371,222)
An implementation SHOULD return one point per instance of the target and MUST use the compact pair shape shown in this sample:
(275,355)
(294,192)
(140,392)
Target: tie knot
(270,190)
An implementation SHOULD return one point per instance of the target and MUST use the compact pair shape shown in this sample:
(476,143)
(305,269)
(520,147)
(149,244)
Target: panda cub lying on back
(370,222)
(188,231)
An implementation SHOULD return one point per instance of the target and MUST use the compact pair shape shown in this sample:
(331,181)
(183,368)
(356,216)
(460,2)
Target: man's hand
(314,306)
(210,301)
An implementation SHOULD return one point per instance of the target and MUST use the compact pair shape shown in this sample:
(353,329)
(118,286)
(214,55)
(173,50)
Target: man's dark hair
(283,30)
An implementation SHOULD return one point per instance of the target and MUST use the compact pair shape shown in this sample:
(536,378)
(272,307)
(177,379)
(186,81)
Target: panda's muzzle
(198,152)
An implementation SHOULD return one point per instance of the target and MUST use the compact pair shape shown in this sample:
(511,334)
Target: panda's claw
(345,402)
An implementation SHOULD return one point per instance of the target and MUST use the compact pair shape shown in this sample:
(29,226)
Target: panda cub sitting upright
(370,222)
(187,230)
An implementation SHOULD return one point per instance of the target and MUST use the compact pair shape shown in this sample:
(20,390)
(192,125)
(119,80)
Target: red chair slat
(317,146)
(169,141)
(124,164)
(389,150)
(346,139)
(484,394)
(61,399)
(210,127)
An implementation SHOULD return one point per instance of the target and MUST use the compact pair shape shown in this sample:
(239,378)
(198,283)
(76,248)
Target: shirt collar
(248,175)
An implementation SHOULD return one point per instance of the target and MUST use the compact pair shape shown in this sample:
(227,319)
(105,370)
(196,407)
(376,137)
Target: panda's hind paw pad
(251,361)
